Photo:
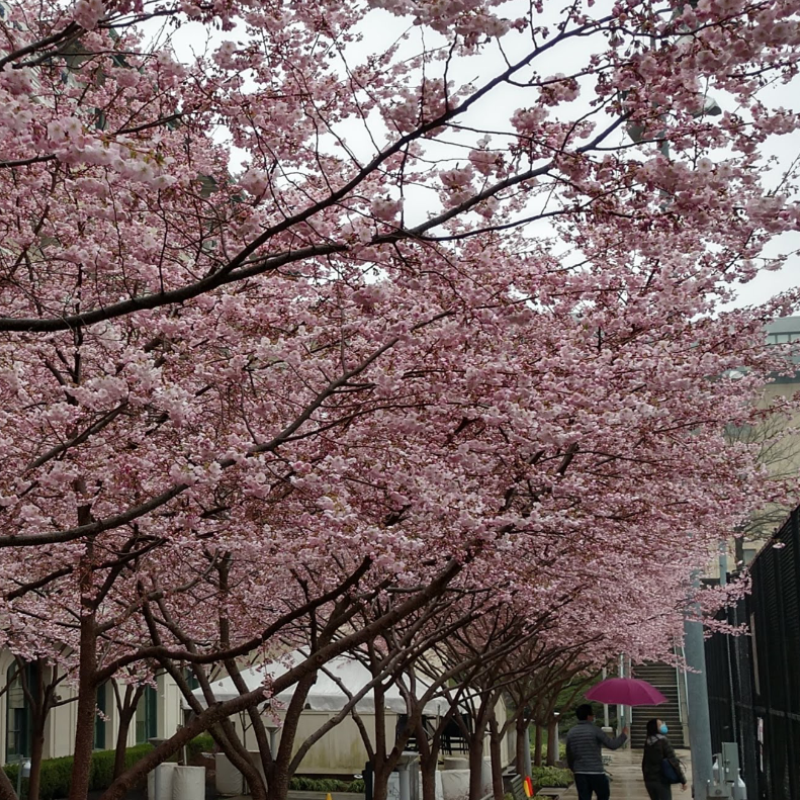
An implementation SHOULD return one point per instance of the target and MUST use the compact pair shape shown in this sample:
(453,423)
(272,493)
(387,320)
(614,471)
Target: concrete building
(158,714)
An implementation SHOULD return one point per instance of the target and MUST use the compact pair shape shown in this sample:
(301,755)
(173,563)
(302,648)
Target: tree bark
(38,699)
(126,708)
(7,791)
(87,683)
(234,748)
(552,744)
(380,775)
(279,775)
(428,761)
(84,729)
(212,715)
(428,778)
(495,741)
(537,747)
(380,782)
(37,750)
(476,764)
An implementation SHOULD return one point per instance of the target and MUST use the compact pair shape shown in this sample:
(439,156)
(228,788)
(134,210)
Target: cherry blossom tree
(315,301)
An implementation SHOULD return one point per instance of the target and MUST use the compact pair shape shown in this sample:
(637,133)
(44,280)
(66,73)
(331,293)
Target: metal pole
(723,581)
(620,708)
(552,740)
(528,764)
(404,783)
(697,688)
(605,705)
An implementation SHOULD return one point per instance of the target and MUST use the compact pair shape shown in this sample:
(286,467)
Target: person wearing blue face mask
(660,765)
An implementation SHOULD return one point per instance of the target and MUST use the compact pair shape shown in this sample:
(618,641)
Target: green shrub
(56,774)
(11,770)
(200,744)
(56,777)
(551,776)
(305,784)
(102,770)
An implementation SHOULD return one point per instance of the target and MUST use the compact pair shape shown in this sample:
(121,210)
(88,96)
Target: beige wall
(60,723)
(60,726)
(781,460)
(170,714)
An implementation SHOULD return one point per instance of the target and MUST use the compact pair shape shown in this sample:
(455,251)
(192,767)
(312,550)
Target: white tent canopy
(326,694)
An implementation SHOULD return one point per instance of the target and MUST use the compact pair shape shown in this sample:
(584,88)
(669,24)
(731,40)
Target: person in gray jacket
(584,754)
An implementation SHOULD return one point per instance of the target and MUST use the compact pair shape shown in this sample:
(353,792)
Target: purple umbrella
(626,692)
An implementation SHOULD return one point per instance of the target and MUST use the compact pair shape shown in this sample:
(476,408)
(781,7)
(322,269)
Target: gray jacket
(584,744)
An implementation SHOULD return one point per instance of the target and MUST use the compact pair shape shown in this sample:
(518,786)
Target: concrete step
(645,673)
(659,680)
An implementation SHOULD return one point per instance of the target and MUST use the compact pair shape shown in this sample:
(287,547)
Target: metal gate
(754,680)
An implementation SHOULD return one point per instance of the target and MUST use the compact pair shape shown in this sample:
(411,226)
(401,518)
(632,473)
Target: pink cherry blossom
(307,328)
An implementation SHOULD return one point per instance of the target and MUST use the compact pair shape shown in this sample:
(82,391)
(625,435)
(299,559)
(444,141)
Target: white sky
(382,29)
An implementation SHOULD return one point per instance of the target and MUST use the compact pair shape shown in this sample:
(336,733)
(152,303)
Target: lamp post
(697,690)
(552,740)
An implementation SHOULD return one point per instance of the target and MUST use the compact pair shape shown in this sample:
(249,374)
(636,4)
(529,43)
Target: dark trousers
(658,791)
(586,784)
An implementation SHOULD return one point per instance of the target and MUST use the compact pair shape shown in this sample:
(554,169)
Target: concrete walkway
(625,771)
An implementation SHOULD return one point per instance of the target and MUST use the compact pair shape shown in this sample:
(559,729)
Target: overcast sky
(382,29)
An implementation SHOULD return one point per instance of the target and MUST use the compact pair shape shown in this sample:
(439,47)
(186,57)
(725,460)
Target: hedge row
(551,776)
(56,774)
(326,785)
(204,743)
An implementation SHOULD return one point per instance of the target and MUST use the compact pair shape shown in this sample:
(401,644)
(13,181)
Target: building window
(18,711)
(191,678)
(783,338)
(99,720)
(147,716)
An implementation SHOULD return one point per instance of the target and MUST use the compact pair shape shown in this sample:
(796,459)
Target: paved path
(625,770)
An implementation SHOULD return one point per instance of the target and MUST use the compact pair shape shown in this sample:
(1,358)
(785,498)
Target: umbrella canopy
(326,694)
(626,692)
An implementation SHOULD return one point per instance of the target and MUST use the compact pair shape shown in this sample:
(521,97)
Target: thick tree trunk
(279,774)
(381,772)
(37,750)
(7,791)
(428,762)
(476,765)
(39,699)
(278,785)
(126,708)
(552,744)
(380,782)
(87,684)
(124,724)
(427,770)
(537,747)
(495,741)
(84,728)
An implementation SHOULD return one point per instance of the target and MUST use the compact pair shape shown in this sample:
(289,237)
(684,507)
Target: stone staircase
(664,678)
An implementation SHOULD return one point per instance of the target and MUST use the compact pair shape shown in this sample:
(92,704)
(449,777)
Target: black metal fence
(754,681)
